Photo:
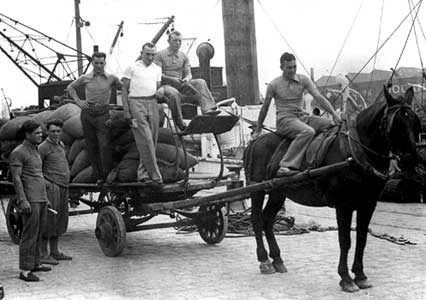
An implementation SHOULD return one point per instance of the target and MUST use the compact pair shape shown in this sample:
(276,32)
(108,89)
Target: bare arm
(72,90)
(262,114)
(19,188)
(187,76)
(325,104)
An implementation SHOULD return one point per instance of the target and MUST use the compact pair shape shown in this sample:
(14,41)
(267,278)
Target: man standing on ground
(26,168)
(57,175)
(140,83)
(178,85)
(292,121)
(95,114)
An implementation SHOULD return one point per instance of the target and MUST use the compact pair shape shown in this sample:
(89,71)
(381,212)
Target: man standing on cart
(141,81)
(57,175)
(27,175)
(95,114)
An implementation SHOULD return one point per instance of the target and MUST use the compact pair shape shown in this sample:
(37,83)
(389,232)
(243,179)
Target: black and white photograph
(212,149)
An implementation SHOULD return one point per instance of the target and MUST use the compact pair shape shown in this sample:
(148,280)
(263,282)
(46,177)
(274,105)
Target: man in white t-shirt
(140,83)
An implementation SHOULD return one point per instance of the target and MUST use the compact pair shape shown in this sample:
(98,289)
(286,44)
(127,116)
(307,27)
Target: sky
(315,30)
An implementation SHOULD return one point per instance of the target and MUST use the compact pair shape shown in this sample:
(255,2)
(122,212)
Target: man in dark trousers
(57,175)
(26,168)
(95,114)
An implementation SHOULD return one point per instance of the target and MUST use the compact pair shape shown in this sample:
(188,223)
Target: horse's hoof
(279,267)
(266,267)
(348,286)
(363,283)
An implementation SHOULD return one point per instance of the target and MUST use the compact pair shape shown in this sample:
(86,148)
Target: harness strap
(357,151)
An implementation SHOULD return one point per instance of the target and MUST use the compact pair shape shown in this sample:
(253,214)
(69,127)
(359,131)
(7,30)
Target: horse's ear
(409,95)
(389,99)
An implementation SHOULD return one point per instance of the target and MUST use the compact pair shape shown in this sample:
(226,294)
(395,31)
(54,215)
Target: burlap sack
(74,127)
(10,129)
(65,112)
(84,176)
(80,163)
(75,149)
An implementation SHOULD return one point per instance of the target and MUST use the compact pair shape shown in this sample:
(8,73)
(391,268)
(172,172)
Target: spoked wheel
(213,223)
(110,231)
(13,221)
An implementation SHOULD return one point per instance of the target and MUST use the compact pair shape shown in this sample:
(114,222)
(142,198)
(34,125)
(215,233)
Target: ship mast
(78,25)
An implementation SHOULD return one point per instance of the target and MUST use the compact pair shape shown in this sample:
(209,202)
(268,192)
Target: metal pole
(78,37)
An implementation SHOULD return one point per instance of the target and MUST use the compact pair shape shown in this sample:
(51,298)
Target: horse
(388,128)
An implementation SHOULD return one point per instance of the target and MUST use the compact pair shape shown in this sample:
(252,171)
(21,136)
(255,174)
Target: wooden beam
(240,51)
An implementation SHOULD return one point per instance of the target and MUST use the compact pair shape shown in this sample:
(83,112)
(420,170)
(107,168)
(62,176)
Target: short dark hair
(149,45)
(174,32)
(55,122)
(98,55)
(287,57)
(28,127)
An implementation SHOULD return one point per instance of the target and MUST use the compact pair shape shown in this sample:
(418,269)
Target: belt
(91,104)
(152,97)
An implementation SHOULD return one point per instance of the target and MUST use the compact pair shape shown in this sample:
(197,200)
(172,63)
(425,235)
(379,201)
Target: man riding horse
(383,131)
(292,121)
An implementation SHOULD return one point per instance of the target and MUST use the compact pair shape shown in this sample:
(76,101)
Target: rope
(377,45)
(418,49)
(406,40)
(381,46)
(344,42)
(282,36)
(415,35)
(365,147)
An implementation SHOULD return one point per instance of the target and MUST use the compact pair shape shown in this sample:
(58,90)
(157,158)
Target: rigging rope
(417,39)
(418,50)
(282,36)
(377,45)
(406,40)
(344,42)
(382,45)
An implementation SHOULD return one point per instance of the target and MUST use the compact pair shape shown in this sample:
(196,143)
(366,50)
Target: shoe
(60,256)
(284,172)
(29,277)
(49,260)
(41,268)
(212,112)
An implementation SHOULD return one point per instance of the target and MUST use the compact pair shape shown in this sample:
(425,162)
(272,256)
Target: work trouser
(56,224)
(98,140)
(145,126)
(302,130)
(30,243)
(202,97)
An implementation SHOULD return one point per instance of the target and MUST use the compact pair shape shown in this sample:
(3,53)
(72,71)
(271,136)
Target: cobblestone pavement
(159,264)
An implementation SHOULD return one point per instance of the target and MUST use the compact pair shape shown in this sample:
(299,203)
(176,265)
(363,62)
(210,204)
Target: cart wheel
(213,224)
(13,221)
(110,231)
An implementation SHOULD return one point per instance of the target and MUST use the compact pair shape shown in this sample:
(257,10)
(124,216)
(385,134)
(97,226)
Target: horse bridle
(386,123)
(388,119)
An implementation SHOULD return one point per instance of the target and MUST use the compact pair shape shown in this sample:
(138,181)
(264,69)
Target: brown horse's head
(402,127)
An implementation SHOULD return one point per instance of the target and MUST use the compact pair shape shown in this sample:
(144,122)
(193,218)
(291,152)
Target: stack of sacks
(10,131)
(126,155)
